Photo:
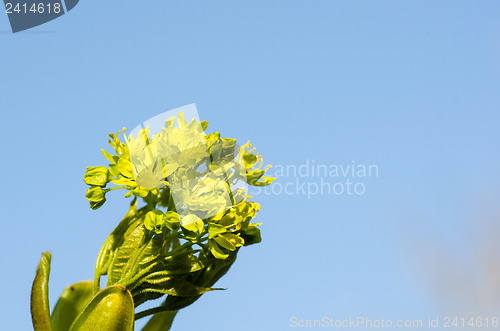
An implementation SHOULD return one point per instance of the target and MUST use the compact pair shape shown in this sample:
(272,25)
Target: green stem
(151,201)
(179,248)
(97,281)
(115,188)
(171,203)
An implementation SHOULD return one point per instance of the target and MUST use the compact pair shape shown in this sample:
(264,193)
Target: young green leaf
(160,321)
(71,303)
(178,287)
(40,310)
(134,237)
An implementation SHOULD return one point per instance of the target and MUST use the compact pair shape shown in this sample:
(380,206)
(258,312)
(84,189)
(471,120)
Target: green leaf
(160,321)
(172,266)
(40,310)
(71,303)
(112,309)
(97,176)
(178,287)
(209,276)
(134,238)
(115,240)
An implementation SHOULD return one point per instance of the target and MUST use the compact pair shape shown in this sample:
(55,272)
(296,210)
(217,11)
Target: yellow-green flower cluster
(233,229)
(195,176)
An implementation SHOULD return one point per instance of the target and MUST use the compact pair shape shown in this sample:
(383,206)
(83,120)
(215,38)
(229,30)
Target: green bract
(189,216)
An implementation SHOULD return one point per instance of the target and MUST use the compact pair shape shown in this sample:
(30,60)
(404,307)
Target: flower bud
(154,220)
(97,176)
(96,196)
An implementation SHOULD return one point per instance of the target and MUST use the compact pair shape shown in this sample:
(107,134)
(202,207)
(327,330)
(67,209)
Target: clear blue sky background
(411,86)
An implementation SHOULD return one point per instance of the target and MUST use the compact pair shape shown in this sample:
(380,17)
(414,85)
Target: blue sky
(411,87)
